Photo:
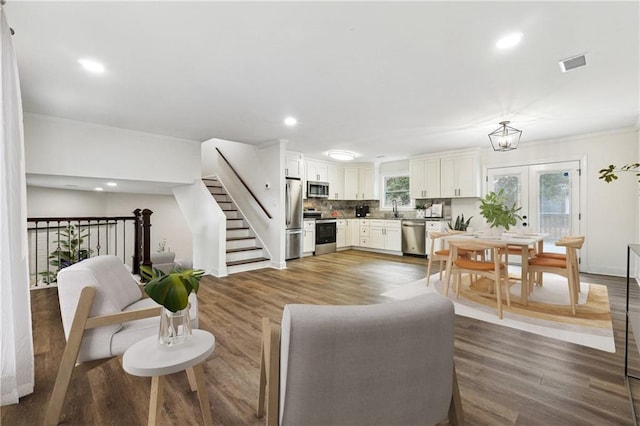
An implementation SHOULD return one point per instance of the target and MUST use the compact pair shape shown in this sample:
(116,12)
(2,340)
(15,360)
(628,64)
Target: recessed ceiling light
(290,121)
(90,65)
(112,184)
(341,155)
(98,189)
(509,40)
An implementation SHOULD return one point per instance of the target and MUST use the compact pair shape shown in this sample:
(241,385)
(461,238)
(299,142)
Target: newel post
(146,237)
(137,227)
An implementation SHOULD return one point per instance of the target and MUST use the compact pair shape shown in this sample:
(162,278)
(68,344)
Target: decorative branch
(609,174)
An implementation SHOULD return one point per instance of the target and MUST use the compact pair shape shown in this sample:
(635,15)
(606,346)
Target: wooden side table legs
(196,382)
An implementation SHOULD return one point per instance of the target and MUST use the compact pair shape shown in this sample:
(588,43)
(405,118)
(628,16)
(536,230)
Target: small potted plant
(172,291)
(460,224)
(420,209)
(494,208)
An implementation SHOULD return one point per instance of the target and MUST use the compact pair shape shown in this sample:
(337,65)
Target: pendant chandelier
(505,138)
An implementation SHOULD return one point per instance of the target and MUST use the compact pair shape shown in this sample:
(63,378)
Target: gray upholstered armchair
(383,364)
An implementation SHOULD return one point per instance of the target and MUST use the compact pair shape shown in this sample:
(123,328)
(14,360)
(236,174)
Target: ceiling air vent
(573,63)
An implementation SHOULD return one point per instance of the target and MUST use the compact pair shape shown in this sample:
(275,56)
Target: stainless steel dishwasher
(414,236)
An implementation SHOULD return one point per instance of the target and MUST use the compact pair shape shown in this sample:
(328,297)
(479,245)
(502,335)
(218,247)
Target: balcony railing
(57,242)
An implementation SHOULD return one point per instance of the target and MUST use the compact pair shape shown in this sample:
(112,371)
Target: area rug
(547,313)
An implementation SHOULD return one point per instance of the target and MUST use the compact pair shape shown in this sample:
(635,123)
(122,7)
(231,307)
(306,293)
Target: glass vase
(175,327)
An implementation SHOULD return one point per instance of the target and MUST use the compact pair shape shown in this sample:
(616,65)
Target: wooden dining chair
(439,251)
(495,268)
(567,267)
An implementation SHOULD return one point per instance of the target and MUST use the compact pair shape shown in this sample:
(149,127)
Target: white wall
(609,211)
(258,166)
(207,224)
(55,146)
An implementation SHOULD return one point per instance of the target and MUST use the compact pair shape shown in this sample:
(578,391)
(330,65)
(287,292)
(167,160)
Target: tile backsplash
(347,208)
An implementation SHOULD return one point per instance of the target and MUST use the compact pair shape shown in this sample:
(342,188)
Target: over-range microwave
(317,189)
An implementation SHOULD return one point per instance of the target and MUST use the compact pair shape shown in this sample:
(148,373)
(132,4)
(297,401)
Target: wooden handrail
(243,183)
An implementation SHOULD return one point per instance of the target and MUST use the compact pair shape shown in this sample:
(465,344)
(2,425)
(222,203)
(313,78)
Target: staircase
(243,253)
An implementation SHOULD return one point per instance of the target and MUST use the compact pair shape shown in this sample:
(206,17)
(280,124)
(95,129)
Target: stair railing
(63,241)
(245,185)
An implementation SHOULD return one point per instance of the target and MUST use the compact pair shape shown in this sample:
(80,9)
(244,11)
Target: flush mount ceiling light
(509,40)
(341,155)
(92,66)
(290,121)
(112,184)
(97,188)
(505,138)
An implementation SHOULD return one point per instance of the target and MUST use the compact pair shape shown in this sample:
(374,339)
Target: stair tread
(240,238)
(242,262)
(237,250)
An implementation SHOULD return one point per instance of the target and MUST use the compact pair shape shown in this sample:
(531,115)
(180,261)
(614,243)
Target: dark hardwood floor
(506,376)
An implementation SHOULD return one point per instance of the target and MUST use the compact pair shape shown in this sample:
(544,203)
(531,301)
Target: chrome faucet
(394,204)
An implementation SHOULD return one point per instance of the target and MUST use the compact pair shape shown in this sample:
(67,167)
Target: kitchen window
(396,187)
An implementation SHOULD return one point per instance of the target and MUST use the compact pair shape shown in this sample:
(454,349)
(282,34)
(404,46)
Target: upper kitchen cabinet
(336,182)
(317,171)
(460,176)
(359,183)
(424,178)
(293,166)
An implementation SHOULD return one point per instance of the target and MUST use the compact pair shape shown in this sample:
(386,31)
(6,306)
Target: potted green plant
(460,224)
(494,208)
(68,251)
(420,209)
(172,291)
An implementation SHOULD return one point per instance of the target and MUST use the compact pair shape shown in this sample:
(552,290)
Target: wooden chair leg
(429,270)
(456,415)
(498,286)
(269,373)
(69,357)
(263,371)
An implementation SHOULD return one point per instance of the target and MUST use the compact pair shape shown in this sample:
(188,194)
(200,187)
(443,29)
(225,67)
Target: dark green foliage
(494,209)
(171,290)
(68,251)
(460,224)
(609,174)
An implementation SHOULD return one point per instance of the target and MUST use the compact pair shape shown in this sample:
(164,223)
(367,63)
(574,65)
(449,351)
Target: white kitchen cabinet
(359,183)
(336,182)
(460,176)
(341,233)
(424,178)
(365,230)
(366,182)
(385,234)
(353,232)
(293,165)
(309,236)
(393,235)
(317,171)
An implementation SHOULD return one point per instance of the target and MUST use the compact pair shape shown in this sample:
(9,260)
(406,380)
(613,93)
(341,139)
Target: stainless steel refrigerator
(293,218)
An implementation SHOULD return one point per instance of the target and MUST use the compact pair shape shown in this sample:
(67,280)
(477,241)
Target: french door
(549,195)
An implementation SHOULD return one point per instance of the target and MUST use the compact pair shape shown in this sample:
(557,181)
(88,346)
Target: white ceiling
(381,79)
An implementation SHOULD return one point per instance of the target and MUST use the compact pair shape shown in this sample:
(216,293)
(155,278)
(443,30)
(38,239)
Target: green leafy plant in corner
(421,206)
(494,208)
(460,224)
(171,290)
(68,251)
(609,174)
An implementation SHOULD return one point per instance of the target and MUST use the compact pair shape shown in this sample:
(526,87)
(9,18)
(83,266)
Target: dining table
(519,239)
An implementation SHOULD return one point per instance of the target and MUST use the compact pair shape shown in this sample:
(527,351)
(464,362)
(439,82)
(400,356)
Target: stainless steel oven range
(325,236)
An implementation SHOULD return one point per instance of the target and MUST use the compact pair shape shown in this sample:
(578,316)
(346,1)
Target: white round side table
(148,358)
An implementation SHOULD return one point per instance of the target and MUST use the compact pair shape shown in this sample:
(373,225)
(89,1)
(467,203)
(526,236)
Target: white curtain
(15,307)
